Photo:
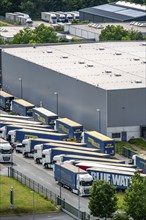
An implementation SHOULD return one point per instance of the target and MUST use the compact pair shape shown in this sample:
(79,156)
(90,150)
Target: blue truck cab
(95,139)
(67,126)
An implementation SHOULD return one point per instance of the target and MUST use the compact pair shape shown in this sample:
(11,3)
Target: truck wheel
(37,161)
(46,166)
(25,155)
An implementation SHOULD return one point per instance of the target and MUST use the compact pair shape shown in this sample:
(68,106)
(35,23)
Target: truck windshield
(2,151)
(23,145)
(86,183)
(35,151)
(8,138)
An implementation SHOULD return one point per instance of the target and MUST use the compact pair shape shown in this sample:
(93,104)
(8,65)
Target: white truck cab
(5,152)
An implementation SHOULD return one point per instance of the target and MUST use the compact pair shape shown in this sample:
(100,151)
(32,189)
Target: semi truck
(120,179)
(16,117)
(76,180)
(17,136)
(63,157)
(5,101)
(38,149)
(5,151)
(106,162)
(16,121)
(68,17)
(48,155)
(67,126)
(43,115)
(98,140)
(85,165)
(49,17)
(140,161)
(29,145)
(60,16)
(5,129)
(22,107)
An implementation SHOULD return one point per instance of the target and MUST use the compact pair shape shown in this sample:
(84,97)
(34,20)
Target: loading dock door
(143,131)
(124,136)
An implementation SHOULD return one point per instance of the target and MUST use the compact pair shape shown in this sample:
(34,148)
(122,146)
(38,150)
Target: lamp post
(56,93)
(21,94)
(99,119)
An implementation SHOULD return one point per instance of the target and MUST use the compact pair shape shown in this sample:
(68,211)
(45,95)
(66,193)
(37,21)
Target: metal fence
(126,152)
(36,187)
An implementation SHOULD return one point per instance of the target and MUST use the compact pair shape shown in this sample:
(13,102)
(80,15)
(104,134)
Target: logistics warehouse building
(100,85)
(119,11)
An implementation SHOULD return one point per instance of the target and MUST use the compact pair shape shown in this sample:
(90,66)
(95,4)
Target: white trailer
(49,17)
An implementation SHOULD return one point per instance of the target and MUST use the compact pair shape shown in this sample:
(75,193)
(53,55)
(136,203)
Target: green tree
(23,36)
(1,40)
(45,34)
(117,32)
(41,34)
(135,198)
(103,200)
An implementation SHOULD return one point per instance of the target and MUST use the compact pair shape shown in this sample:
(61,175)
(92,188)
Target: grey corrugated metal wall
(77,100)
(126,107)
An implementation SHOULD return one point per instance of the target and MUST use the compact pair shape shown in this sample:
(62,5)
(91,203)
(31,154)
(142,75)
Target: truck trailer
(120,179)
(49,17)
(5,129)
(16,117)
(140,161)
(29,144)
(85,165)
(5,100)
(21,134)
(45,116)
(64,157)
(49,154)
(98,140)
(16,121)
(22,107)
(67,126)
(38,149)
(76,180)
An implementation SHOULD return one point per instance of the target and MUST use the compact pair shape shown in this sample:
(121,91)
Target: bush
(120,216)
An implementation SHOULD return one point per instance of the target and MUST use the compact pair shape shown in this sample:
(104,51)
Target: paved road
(52,216)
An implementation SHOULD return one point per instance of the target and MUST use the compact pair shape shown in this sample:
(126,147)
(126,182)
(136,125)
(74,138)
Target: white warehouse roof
(110,65)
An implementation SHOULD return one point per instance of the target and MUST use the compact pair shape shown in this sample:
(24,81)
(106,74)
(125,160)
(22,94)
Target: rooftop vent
(144,61)
(81,62)
(108,71)
(64,57)
(138,81)
(117,74)
(101,48)
(136,59)
(49,51)
(118,53)
(89,65)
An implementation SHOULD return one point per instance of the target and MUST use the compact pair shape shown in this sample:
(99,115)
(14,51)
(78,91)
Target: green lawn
(5,23)
(23,199)
(138,142)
